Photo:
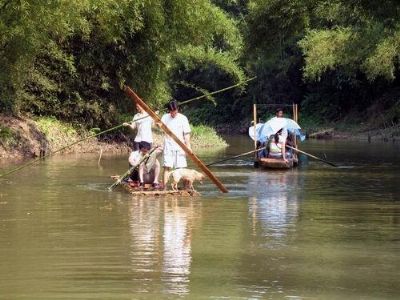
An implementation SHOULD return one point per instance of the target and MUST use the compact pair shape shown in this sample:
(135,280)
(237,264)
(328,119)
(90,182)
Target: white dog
(187,175)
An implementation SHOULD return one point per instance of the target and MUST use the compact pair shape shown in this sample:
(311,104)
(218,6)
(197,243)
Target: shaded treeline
(338,59)
(68,58)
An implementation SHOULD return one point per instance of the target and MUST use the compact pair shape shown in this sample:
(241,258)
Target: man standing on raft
(174,156)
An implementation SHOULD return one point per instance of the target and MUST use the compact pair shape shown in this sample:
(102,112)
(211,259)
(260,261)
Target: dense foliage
(335,58)
(68,58)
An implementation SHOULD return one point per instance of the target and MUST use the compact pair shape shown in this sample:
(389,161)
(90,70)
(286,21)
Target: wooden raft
(130,93)
(151,192)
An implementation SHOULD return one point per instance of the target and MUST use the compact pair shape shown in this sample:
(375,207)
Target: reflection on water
(313,232)
(177,248)
(144,219)
(273,203)
(161,243)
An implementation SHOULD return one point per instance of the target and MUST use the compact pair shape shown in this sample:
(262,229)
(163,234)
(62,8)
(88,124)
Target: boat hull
(277,163)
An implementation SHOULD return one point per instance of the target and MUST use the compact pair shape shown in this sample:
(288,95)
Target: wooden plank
(131,94)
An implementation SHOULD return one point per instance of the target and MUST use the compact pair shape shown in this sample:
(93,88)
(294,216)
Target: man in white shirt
(143,122)
(174,156)
(279,112)
(279,122)
(149,170)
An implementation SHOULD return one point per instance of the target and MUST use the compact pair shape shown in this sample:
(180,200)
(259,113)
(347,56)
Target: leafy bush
(205,136)
(58,132)
(7,136)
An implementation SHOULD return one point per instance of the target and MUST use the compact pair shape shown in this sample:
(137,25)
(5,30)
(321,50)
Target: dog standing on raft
(187,175)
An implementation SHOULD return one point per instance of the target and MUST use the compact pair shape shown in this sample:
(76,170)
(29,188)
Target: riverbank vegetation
(339,60)
(22,137)
(206,137)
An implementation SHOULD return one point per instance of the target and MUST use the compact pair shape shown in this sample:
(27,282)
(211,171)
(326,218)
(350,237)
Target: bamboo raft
(149,191)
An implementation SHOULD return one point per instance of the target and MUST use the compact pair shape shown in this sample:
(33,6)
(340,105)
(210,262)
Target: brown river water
(314,232)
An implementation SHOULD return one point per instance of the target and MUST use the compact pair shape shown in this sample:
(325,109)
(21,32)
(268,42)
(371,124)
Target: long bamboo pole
(131,169)
(293,112)
(255,129)
(219,91)
(295,119)
(135,98)
(232,157)
(313,156)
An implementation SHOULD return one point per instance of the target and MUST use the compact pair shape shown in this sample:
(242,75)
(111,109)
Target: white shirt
(135,157)
(143,123)
(179,126)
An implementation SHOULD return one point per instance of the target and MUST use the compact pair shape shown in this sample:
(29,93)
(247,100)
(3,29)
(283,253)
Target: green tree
(69,58)
(346,51)
(26,29)
(353,36)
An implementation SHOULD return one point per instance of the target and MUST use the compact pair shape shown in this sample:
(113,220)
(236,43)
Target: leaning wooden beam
(131,94)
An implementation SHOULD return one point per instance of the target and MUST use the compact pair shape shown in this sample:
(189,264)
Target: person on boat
(148,171)
(276,146)
(143,123)
(279,112)
(263,151)
(276,123)
(290,141)
(174,156)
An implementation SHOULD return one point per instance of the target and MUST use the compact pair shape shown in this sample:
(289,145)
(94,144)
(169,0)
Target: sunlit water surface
(315,232)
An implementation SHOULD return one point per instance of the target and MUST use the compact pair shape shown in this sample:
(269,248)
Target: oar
(131,169)
(233,157)
(135,98)
(313,156)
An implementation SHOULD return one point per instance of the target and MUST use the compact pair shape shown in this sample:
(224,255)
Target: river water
(315,232)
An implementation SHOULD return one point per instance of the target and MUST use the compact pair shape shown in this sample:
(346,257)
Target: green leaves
(354,36)
(384,58)
(324,50)
(68,58)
